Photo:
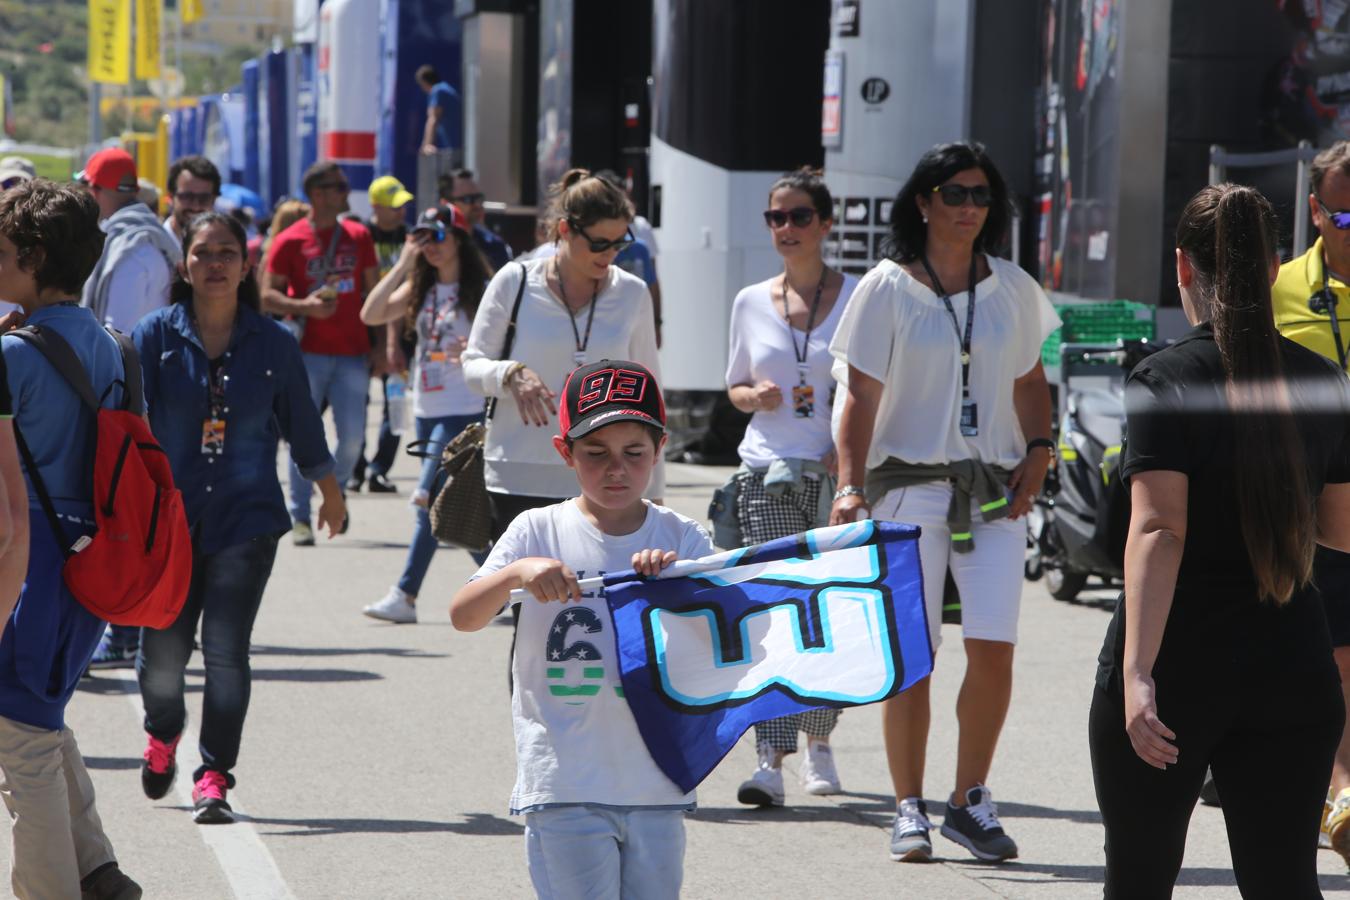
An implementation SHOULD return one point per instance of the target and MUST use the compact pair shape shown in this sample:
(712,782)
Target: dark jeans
(1270,748)
(386,452)
(226,588)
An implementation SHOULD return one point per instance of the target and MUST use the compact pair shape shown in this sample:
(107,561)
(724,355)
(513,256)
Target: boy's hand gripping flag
(831,617)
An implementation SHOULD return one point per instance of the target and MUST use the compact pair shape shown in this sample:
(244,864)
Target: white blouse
(520,458)
(764,347)
(898,331)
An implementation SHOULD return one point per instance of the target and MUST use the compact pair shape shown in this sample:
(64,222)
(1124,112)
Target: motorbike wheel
(1064,584)
(1032,568)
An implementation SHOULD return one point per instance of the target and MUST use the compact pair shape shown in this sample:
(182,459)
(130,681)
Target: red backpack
(136,568)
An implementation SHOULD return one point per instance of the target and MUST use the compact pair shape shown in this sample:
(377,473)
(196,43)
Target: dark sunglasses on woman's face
(956,194)
(801,216)
(602,246)
(1340,219)
(425,234)
(340,186)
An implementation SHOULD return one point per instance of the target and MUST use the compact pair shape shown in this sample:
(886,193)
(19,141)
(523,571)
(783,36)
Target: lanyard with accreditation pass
(970,418)
(803,395)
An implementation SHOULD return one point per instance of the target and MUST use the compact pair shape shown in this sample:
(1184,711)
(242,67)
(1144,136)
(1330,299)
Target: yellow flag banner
(110,41)
(148,18)
(190,10)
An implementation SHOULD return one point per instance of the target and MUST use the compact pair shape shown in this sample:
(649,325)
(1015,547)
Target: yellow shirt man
(1299,281)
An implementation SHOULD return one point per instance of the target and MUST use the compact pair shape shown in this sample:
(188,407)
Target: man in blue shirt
(443,126)
(459,189)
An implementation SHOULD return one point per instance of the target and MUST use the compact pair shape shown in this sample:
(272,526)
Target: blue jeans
(603,853)
(343,383)
(437,432)
(226,589)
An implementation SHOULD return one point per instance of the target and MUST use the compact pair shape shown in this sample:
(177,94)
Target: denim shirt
(235,496)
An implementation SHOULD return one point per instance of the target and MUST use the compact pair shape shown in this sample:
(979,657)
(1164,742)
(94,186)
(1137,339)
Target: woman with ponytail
(571,309)
(1218,656)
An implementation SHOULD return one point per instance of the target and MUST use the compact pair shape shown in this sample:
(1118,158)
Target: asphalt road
(377,760)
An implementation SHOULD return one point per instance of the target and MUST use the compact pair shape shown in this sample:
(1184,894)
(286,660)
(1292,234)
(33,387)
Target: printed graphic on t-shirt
(576,664)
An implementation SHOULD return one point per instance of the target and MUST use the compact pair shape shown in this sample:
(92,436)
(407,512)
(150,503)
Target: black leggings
(1270,749)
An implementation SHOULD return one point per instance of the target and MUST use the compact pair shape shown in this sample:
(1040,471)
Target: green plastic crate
(1100,322)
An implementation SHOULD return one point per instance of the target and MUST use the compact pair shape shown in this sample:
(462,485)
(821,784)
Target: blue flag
(831,617)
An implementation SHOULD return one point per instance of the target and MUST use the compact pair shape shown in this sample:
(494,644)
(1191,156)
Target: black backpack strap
(44,498)
(133,391)
(491,405)
(59,353)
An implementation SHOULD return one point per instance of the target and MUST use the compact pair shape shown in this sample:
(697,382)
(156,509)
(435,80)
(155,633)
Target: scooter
(1073,529)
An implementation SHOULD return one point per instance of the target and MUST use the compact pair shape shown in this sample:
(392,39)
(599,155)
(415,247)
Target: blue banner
(831,617)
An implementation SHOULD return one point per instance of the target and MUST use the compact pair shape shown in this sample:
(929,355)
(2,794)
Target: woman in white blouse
(946,424)
(779,370)
(576,307)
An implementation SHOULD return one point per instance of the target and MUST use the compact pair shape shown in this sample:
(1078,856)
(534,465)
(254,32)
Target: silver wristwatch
(848,490)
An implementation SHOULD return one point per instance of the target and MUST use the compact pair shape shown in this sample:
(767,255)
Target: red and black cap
(607,392)
(439,218)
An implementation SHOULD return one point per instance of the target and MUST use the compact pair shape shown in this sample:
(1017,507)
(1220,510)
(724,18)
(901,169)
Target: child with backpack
(49,243)
(223,384)
(600,818)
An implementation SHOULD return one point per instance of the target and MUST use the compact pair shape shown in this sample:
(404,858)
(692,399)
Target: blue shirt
(497,251)
(50,637)
(636,259)
(233,496)
(447,133)
(59,431)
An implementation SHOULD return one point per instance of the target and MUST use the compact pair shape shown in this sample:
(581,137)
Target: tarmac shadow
(1028,811)
(113,763)
(306,676)
(751,815)
(399,652)
(480,824)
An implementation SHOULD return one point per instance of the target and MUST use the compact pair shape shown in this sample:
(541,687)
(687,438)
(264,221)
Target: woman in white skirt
(946,425)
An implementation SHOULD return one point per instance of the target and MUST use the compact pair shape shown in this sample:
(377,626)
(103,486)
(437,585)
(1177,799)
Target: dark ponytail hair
(181,292)
(1227,232)
(810,182)
(474,274)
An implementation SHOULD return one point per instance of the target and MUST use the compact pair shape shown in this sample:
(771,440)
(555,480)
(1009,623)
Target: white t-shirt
(576,739)
(898,331)
(764,347)
(520,458)
(437,378)
(137,286)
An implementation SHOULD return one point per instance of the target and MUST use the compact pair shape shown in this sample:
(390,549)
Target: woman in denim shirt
(223,384)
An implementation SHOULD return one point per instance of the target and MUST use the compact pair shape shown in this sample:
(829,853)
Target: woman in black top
(1238,460)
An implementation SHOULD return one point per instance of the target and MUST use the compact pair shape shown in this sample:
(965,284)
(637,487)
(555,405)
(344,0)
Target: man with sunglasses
(193,185)
(319,270)
(1311,298)
(461,190)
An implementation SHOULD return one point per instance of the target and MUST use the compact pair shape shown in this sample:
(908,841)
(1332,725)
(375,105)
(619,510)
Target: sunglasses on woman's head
(801,216)
(1340,219)
(602,246)
(956,194)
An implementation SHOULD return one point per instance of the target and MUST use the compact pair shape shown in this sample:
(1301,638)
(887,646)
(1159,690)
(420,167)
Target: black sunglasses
(602,246)
(956,194)
(801,216)
(1340,219)
(429,234)
(470,199)
(340,186)
(11,182)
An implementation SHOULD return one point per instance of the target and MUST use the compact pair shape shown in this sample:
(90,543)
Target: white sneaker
(765,787)
(393,608)
(817,772)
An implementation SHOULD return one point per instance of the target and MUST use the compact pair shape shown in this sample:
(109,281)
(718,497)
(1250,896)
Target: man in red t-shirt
(319,271)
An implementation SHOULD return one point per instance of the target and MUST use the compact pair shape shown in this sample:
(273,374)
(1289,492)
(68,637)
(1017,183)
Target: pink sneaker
(208,800)
(159,768)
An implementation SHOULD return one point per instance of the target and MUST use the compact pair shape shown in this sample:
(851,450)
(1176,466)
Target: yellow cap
(389,191)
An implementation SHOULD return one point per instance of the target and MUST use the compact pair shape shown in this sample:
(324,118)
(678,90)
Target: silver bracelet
(848,490)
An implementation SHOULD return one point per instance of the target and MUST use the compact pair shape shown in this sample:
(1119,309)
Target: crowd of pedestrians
(912,394)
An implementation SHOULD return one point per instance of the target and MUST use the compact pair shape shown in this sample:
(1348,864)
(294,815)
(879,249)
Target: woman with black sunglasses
(575,307)
(431,295)
(779,371)
(946,424)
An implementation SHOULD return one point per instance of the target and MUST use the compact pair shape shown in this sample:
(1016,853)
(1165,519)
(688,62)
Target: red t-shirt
(298,253)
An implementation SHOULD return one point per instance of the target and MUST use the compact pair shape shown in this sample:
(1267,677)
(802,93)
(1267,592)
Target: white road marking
(243,858)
